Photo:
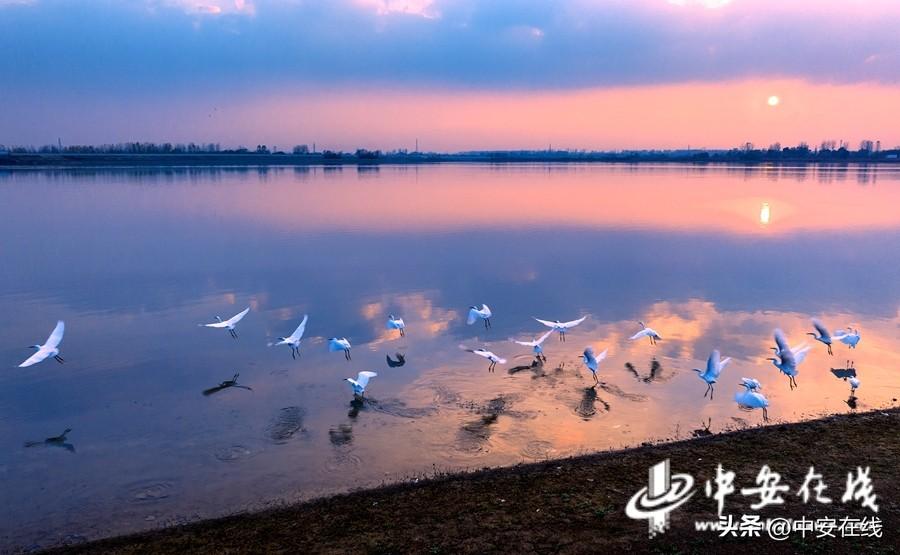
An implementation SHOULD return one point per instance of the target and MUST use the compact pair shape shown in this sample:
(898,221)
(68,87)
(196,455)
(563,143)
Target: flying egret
(48,349)
(593,361)
(788,358)
(484,313)
(360,383)
(561,327)
(484,353)
(824,336)
(230,323)
(751,398)
(646,332)
(714,366)
(536,345)
(293,340)
(849,337)
(394,323)
(336,344)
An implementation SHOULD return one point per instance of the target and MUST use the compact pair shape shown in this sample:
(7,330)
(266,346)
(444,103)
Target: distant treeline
(162,153)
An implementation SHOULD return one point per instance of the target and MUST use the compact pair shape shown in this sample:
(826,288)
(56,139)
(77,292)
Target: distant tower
(417,145)
(314,147)
(59,142)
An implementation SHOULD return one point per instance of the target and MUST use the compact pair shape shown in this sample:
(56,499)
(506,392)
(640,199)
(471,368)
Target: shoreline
(571,505)
(43,161)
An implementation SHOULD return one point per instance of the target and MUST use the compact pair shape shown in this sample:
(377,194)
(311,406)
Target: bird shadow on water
(232,383)
(655,375)
(55,441)
(587,405)
(393,407)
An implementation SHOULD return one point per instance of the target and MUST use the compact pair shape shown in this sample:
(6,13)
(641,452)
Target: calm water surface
(134,260)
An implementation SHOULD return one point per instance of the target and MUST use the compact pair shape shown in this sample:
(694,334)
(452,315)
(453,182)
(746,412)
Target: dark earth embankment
(576,505)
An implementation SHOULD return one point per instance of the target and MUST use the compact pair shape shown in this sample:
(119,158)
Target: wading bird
(646,332)
(484,313)
(49,349)
(484,353)
(823,336)
(751,398)
(536,345)
(787,358)
(849,337)
(293,340)
(592,361)
(714,366)
(854,384)
(336,344)
(360,383)
(394,323)
(230,323)
(561,327)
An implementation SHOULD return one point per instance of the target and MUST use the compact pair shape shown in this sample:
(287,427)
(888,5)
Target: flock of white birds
(786,358)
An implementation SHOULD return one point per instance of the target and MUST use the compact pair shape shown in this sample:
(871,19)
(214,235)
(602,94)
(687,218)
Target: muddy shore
(577,505)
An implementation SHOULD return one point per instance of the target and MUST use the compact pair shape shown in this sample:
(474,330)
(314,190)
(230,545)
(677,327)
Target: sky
(454,74)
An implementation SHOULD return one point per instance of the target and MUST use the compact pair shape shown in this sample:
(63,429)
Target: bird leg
(293,354)
(347,354)
(59,359)
(829,350)
(711,391)
(765,415)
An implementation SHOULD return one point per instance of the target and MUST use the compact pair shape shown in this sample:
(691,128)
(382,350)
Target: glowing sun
(774,100)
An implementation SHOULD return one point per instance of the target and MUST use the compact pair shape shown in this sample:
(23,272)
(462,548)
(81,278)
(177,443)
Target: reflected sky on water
(132,260)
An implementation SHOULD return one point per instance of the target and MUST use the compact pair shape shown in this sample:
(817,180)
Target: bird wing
(355,383)
(216,325)
(547,323)
(36,358)
(542,338)
(298,333)
(800,354)
(572,323)
(500,360)
(335,345)
(820,327)
(56,336)
(602,355)
(781,342)
(473,315)
(486,310)
(363,378)
(713,364)
(237,317)
(643,333)
(724,362)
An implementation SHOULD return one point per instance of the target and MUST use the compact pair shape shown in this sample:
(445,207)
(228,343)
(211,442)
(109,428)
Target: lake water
(710,257)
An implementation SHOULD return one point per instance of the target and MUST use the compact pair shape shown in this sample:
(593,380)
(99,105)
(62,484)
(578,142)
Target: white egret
(230,323)
(849,337)
(751,383)
(561,327)
(646,332)
(49,349)
(751,398)
(484,313)
(854,384)
(336,344)
(360,383)
(714,366)
(293,340)
(592,361)
(484,353)
(824,336)
(394,323)
(536,345)
(788,358)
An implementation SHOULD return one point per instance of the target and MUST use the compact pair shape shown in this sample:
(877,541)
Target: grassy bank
(575,505)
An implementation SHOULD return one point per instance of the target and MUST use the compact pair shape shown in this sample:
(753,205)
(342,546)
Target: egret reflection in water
(232,383)
(55,441)
(145,256)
